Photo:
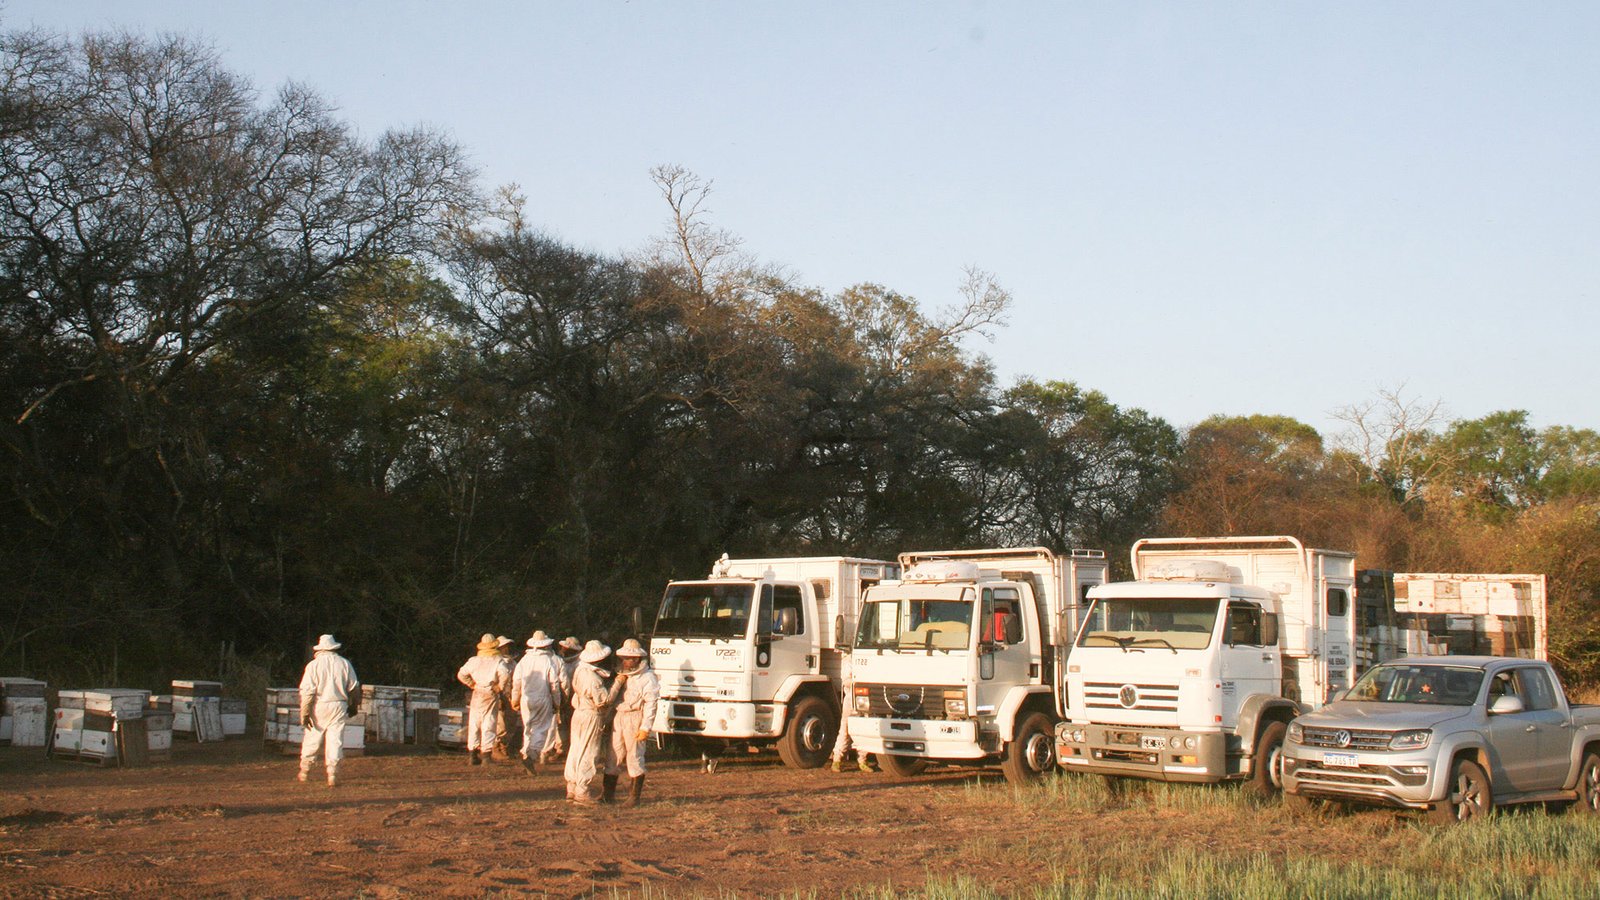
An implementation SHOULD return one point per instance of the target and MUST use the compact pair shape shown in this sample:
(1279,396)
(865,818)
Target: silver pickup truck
(1455,735)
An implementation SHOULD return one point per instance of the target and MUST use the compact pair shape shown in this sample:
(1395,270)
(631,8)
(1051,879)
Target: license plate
(1152,742)
(1344,760)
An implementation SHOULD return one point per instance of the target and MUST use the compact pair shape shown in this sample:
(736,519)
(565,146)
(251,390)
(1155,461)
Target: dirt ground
(230,819)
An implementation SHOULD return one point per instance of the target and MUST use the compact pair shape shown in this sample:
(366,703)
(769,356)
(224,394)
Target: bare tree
(1390,437)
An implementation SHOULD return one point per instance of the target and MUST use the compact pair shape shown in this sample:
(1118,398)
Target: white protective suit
(592,697)
(328,691)
(842,744)
(636,712)
(539,683)
(490,677)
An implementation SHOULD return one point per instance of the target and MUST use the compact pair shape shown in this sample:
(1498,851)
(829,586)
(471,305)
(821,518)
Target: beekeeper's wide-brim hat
(571,643)
(487,642)
(540,640)
(630,647)
(326,642)
(593,652)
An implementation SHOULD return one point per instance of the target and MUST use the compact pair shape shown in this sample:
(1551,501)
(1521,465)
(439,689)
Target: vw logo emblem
(1342,738)
(1128,696)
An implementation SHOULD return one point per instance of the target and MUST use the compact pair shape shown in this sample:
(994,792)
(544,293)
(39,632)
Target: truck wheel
(901,766)
(1588,785)
(1032,752)
(808,737)
(1469,796)
(1266,772)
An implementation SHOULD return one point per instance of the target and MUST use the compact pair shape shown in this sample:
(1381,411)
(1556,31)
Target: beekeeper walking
(843,743)
(489,676)
(630,729)
(538,685)
(329,691)
(592,701)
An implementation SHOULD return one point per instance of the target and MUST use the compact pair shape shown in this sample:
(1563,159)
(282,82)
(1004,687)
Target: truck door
(1514,737)
(1007,633)
(1548,719)
(783,644)
(1249,661)
(1337,631)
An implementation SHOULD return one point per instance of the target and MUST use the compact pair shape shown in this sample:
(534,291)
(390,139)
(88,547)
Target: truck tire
(1469,796)
(808,735)
(1588,785)
(1031,752)
(901,766)
(1266,769)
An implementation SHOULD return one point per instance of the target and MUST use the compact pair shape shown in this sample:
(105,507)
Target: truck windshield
(705,611)
(908,623)
(1443,685)
(1140,622)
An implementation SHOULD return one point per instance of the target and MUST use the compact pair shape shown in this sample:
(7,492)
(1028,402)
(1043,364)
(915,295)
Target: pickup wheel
(1469,797)
(1266,772)
(807,740)
(901,766)
(1032,752)
(1588,785)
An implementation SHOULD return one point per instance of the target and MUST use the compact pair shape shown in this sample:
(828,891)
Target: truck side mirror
(1269,629)
(1013,629)
(638,620)
(840,639)
(1505,705)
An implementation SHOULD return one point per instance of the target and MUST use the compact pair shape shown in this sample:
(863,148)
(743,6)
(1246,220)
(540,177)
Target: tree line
(263,378)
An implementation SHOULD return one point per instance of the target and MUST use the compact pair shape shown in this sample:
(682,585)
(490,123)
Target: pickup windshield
(705,611)
(1168,623)
(916,623)
(1443,685)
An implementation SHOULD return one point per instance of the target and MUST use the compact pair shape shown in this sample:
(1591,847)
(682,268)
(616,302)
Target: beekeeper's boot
(474,759)
(635,791)
(608,790)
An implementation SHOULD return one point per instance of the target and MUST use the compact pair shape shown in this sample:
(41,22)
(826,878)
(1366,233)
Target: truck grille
(1346,738)
(906,701)
(1112,695)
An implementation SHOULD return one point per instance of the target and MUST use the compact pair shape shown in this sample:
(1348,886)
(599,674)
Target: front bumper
(733,721)
(922,738)
(1143,751)
(1404,779)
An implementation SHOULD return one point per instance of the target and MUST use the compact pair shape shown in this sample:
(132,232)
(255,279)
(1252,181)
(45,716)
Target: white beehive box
(26,722)
(234,715)
(123,703)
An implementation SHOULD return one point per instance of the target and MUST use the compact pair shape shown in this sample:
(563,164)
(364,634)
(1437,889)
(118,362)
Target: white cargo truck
(751,654)
(957,661)
(1193,671)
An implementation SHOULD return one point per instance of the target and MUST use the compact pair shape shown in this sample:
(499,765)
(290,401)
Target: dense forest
(264,378)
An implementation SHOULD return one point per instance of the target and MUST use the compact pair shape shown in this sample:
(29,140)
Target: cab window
(1244,624)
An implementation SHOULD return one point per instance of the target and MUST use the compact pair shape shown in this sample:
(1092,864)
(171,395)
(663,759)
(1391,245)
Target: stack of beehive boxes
(158,726)
(235,716)
(422,715)
(197,710)
(89,723)
(283,731)
(453,728)
(24,716)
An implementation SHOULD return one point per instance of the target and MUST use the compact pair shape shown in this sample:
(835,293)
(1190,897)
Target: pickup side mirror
(1506,704)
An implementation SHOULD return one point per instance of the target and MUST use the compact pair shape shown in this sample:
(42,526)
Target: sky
(1199,208)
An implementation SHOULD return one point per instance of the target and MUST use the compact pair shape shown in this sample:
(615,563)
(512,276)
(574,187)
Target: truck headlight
(1296,732)
(863,703)
(1410,740)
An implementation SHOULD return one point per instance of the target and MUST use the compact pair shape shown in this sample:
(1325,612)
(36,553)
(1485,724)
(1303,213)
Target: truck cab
(956,661)
(749,655)
(1193,671)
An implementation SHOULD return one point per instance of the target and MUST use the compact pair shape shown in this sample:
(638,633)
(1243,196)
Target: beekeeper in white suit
(630,729)
(329,692)
(538,684)
(488,674)
(593,697)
